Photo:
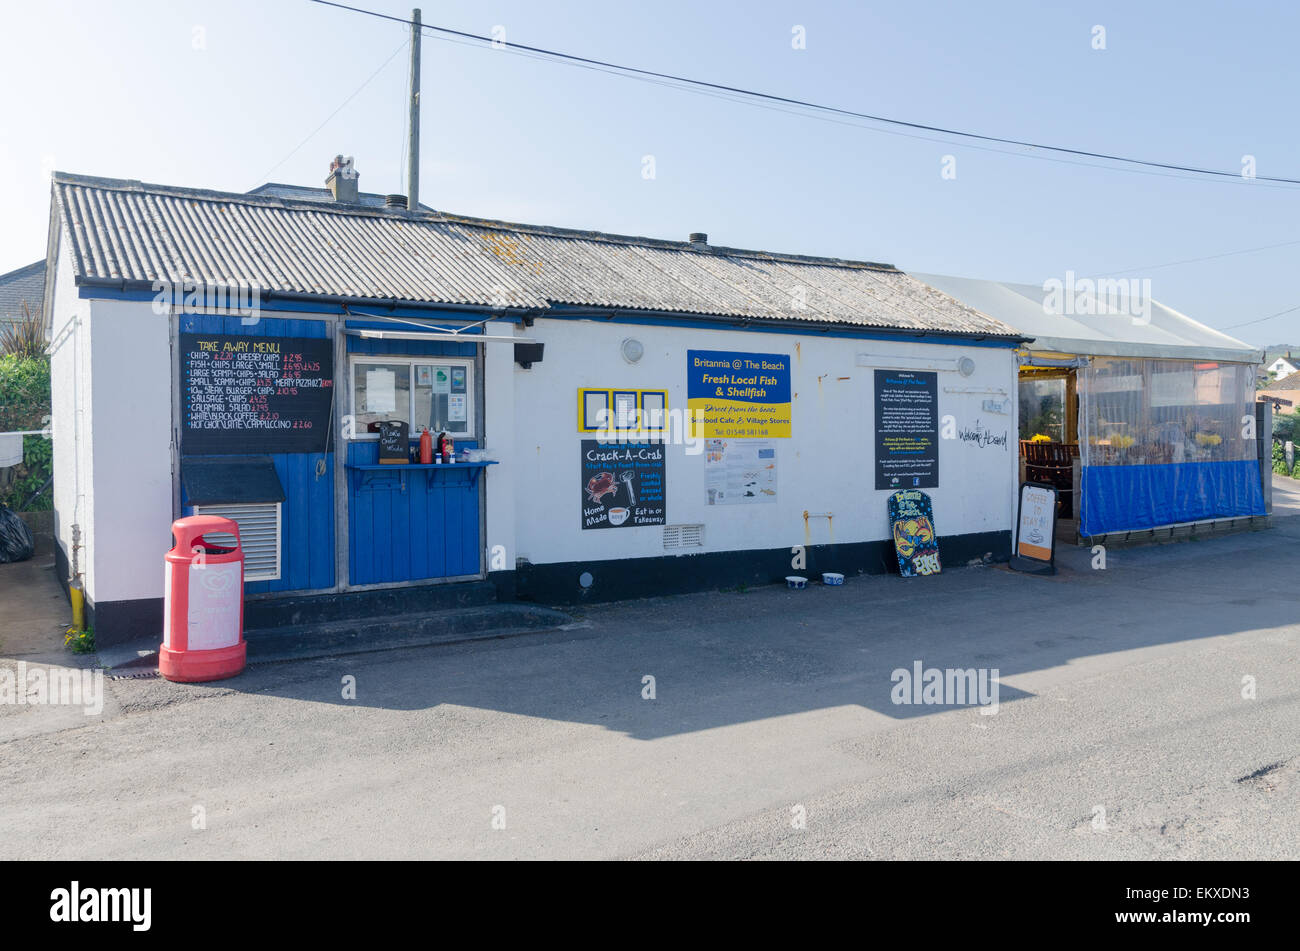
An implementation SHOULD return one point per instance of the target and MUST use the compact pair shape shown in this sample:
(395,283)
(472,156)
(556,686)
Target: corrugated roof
(320,195)
(1161,332)
(134,233)
(1286,384)
(25,284)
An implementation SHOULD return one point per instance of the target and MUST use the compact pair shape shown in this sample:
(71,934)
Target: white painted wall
(126,435)
(826,466)
(69,385)
(499,371)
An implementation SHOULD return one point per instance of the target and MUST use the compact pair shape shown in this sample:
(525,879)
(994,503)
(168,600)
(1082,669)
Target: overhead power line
(655,75)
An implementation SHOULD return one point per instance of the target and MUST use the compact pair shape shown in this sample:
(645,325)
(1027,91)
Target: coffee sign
(1036,529)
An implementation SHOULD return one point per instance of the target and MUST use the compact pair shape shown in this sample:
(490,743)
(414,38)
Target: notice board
(738,395)
(907,429)
(739,471)
(255,394)
(622,484)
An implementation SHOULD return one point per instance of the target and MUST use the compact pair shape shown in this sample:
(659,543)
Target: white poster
(381,391)
(739,471)
(456,408)
(441,380)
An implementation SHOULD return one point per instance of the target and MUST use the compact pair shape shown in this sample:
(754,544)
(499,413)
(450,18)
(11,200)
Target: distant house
(1283,393)
(25,285)
(1282,367)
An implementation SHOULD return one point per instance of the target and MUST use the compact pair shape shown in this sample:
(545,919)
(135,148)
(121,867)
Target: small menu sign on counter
(243,394)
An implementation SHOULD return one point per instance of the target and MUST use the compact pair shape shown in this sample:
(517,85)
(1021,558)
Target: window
(423,393)
(1042,408)
(622,410)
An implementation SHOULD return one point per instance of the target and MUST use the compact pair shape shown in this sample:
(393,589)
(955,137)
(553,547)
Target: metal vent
(683,536)
(259,534)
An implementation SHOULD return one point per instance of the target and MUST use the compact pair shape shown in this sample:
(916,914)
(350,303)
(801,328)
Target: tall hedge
(25,404)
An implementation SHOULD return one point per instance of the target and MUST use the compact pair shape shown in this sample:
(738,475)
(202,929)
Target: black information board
(907,429)
(622,484)
(255,394)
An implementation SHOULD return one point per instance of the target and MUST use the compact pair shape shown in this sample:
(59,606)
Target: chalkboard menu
(622,484)
(394,446)
(907,430)
(255,394)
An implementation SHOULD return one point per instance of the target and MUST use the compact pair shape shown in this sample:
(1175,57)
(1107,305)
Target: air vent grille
(259,533)
(683,536)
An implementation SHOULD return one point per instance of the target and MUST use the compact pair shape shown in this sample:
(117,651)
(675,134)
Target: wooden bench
(1052,463)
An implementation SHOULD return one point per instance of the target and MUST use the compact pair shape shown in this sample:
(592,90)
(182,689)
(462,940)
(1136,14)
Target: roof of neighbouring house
(1162,333)
(126,234)
(324,195)
(25,284)
(1291,382)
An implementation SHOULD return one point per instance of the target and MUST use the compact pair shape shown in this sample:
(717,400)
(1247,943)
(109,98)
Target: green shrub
(1295,473)
(24,337)
(25,404)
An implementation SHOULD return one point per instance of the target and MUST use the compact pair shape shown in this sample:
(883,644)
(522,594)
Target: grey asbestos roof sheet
(133,233)
(25,284)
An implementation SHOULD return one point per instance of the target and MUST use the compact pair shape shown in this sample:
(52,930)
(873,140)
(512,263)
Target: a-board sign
(622,484)
(394,446)
(245,394)
(1036,529)
(907,429)
(911,523)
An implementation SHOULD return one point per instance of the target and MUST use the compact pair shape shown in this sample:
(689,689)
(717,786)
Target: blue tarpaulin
(1122,498)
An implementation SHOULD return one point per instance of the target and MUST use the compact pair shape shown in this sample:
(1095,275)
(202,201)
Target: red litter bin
(203,606)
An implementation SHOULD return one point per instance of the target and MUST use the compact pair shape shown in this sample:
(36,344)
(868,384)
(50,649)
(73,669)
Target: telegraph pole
(413,146)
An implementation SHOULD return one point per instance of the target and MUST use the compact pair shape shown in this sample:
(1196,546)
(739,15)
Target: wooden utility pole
(413,146)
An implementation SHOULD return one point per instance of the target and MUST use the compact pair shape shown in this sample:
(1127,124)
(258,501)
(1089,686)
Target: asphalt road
(1122,731)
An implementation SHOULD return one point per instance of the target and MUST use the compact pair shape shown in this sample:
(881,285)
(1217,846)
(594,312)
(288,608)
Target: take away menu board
(255,394)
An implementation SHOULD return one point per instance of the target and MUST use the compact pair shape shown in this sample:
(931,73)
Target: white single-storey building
(647,416)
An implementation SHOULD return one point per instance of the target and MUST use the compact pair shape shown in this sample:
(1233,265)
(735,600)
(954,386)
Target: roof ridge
(207,194)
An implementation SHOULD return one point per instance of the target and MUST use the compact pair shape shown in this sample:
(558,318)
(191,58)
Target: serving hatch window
(423,393)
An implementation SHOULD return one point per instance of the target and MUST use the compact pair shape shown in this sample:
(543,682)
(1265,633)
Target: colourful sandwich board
(911,522)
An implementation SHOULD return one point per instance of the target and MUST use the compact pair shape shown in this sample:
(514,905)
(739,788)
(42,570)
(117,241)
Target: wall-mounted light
(965,366)
(632,350)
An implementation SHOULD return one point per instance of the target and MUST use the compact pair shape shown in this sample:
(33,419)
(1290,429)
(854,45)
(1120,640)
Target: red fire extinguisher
(426,447)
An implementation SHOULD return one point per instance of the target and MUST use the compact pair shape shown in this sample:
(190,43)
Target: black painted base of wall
(678,574)
(116,622)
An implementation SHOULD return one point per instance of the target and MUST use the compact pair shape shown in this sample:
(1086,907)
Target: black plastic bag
(16,542)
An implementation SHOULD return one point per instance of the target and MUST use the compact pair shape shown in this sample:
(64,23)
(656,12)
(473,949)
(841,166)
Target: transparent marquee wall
(1166,441)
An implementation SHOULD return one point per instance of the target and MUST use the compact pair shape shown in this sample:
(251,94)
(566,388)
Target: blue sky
(220,95)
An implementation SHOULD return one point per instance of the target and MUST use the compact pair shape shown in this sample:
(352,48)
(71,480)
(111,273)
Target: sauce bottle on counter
(426,447)
(448,449)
